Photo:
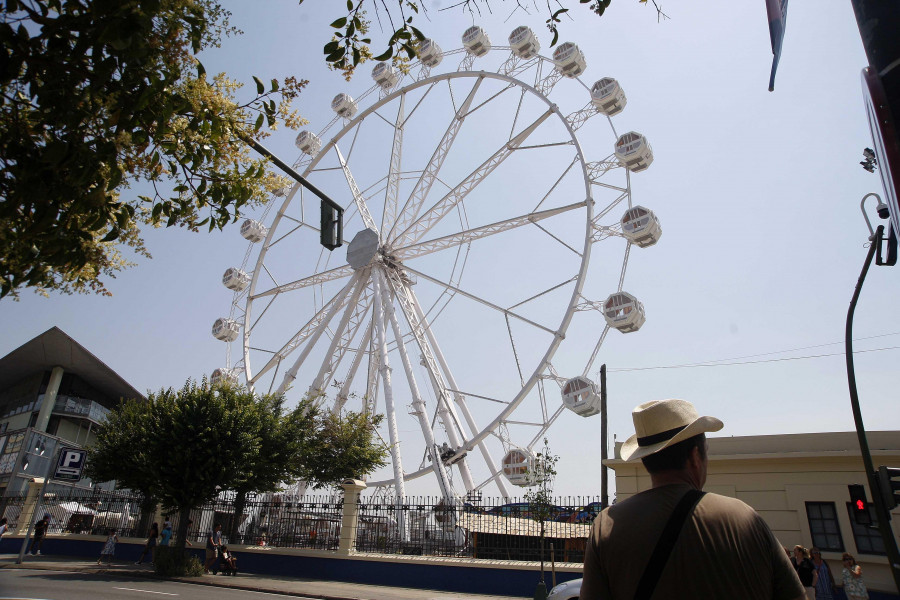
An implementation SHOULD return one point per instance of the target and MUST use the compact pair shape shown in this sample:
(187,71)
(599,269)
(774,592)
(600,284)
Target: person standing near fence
(3,527)
(40,531)
(166,535)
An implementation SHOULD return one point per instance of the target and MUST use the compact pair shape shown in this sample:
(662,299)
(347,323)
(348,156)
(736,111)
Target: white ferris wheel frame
(387,284)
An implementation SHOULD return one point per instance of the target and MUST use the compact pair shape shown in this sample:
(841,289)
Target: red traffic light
(860,505)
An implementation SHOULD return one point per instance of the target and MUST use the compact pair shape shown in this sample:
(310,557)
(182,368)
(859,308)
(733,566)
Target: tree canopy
(350,44)
(183,447)
(101,95)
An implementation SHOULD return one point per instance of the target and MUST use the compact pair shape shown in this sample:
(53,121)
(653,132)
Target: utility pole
(881,511)
(604,475)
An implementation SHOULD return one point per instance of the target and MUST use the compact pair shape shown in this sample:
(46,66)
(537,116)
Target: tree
(539,496)
(179,447)
(345,449)
(350,45)
(287,444)
(100,95)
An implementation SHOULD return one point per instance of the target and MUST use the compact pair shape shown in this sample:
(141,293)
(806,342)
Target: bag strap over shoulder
(659,558)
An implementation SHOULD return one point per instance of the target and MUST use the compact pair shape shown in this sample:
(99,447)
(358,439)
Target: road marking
(145,591)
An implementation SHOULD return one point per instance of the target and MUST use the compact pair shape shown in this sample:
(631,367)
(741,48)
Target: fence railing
(491,529)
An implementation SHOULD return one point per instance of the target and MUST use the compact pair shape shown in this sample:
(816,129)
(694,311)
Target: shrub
(176,562)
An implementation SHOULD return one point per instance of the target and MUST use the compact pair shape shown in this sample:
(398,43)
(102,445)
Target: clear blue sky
(758,194)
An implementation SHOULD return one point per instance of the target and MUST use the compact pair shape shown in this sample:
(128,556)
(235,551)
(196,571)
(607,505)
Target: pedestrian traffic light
(331,233)
(860,504)
(889,486)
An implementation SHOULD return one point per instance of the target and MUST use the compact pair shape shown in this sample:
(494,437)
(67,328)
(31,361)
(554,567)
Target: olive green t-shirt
(725,550)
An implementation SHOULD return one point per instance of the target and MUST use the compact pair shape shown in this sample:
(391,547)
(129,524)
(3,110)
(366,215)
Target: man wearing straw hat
(674,541)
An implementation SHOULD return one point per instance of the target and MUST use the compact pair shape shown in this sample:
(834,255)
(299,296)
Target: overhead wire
(723,362)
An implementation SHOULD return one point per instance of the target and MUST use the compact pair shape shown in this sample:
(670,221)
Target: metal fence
(493,528)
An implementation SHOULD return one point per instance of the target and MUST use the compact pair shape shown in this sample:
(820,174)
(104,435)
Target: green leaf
(387,54)
(260,88)
(274,85)
(349,4)
(259,122)
(112,235)
(339,23)
(201,70)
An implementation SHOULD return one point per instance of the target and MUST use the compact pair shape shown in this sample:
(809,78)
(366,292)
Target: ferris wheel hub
(362,249)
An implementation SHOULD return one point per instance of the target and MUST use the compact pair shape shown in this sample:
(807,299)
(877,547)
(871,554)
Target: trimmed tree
(180,447)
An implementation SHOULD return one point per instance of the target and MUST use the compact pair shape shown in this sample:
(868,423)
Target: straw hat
(659,424)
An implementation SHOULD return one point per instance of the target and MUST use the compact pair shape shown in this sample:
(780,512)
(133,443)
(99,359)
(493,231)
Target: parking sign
(70,464)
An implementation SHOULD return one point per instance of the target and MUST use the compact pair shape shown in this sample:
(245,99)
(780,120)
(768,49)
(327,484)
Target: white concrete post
(26,517)
(49,399)
(350,517)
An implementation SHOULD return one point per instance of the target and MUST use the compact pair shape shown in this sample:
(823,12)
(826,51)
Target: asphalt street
(65,585)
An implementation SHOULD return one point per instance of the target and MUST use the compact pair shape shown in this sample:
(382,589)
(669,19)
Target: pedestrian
(150,546)
(40,531)
(3,527)
(854,586)
(187,535)
(109,547)
(825,586)
(166,534)
(806,570)
(675,539)
(213,541)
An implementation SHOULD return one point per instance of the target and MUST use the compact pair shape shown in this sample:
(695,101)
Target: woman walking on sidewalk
(150,547)
(109,548)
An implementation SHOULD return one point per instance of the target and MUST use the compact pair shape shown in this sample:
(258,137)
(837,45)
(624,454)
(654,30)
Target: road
(66,585)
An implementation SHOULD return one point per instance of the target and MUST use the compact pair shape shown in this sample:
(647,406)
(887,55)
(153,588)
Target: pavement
(308,588)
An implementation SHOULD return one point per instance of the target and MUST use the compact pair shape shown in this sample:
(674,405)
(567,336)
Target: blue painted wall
(451,578)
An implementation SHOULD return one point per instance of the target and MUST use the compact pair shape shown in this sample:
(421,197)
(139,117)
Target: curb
(144,574)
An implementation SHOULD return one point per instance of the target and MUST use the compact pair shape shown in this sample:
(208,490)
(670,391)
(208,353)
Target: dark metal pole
(881,511)
(604,475)
(328,221)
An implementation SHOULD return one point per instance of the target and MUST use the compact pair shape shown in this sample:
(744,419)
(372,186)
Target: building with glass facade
(53,393)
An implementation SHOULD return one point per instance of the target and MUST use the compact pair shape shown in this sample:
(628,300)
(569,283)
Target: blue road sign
(70,464)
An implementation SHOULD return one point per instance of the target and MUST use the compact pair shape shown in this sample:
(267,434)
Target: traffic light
(331,234)
(889,486)
(860,504)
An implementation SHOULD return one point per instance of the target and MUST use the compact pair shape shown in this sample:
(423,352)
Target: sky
(746,292)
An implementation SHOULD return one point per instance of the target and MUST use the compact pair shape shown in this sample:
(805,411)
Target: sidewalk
(326,590)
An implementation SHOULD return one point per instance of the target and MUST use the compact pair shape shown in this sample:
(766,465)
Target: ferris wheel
(472,212)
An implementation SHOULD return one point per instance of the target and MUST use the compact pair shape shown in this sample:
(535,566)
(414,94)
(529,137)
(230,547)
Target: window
(867,537)
(823,525)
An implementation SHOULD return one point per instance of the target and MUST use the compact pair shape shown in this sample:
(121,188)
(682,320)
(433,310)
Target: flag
(777,11)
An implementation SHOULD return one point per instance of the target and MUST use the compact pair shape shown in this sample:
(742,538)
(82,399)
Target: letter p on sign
(70,464)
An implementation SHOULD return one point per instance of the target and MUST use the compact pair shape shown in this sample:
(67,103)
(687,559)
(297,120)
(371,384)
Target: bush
(176,562)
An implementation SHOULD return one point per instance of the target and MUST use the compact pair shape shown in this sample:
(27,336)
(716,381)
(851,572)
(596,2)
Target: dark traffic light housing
(889,486)
(860,504)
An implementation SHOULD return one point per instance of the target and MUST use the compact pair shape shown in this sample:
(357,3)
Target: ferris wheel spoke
(393,183)
(311,326)
(361,351)
(501,310)
(357,307)
(317,279)
(477,233)
(310,333)
(546,425)
(361,205)
(431,217)
(414,203)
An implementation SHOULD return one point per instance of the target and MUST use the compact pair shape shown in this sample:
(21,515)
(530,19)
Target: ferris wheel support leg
(291,374)
(449,419)
(467,415)
(418,404)
(385,371)
(329,365)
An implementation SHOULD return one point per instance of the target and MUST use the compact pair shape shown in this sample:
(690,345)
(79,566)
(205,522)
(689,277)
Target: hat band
(656,438)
